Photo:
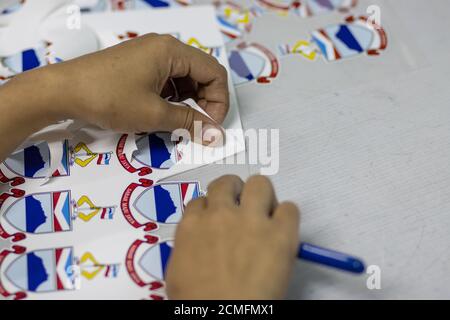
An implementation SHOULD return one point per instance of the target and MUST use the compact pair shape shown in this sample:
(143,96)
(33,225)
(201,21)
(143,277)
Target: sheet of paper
(103,225)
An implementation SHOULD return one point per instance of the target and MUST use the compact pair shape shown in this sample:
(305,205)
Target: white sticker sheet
(87,213)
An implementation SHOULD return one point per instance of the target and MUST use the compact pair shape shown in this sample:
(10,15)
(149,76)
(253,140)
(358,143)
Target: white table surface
(368,162)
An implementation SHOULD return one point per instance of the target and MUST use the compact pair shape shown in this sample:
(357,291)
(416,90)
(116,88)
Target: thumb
(202,129)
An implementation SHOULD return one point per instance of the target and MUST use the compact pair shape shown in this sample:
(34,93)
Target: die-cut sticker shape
(252,61)
(155,258)
(165,202)
(41,271)
(40,213)
(342,41)
(34,161)
(353,38)
(49,270)
(148,270)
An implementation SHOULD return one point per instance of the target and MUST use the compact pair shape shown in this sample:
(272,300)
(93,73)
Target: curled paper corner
(191,103)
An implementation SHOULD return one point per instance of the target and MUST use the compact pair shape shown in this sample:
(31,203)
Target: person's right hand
(236,243)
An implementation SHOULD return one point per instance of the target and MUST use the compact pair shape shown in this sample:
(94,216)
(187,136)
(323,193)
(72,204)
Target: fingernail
(212,136)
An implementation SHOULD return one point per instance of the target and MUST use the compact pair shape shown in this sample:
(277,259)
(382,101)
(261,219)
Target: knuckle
(150,35)
(290,207)
(223,72)
(225,180)
(195,204)
(167,40)
(259,180)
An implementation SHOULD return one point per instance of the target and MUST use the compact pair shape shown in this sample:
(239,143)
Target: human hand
(237,243)
(122,87)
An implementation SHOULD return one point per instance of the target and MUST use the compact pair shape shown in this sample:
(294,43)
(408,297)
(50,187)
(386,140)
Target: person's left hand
(123,87)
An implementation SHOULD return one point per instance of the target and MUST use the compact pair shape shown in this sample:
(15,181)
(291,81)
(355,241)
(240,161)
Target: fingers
(258,196)
(287,217)
(224,191)
(207,72)
(197,205)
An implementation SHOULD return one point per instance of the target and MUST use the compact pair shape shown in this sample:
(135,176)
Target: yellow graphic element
(283,13)
(89,154)
(83,159)
(243,18)
(90,267)
(195,43)
(94,210)
(303,48)
(97,267)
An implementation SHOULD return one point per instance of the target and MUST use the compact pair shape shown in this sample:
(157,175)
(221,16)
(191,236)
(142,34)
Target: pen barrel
(330,258)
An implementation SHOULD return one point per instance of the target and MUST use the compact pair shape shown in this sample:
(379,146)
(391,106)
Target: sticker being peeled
(48,153)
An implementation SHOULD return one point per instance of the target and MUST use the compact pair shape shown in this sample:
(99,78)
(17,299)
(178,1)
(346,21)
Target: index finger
(211,76)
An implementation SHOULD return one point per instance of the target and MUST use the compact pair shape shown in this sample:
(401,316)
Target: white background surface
(369,163)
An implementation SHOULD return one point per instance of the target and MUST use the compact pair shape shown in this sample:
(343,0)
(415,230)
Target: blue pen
(330,258)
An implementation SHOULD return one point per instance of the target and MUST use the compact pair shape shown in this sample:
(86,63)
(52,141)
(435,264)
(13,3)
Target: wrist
(37,98)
